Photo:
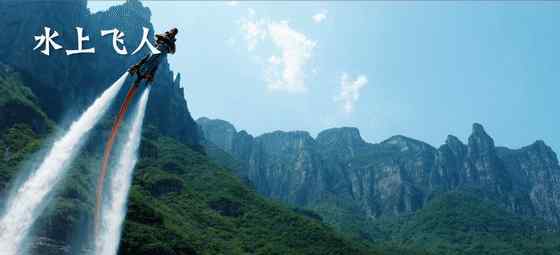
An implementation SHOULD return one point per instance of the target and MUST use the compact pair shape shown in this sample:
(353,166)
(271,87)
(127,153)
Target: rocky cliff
(180,202)
(65,85)
(397,176)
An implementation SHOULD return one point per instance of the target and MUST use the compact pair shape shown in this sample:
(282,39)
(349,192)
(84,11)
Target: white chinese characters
(47,41)
(117,39)
(81,39)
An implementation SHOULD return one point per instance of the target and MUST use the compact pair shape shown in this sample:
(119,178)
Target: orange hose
(107,153)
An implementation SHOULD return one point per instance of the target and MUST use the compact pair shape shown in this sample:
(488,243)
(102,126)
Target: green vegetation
(18,105)
(224,159)
(453,223)
(180,203)
(461,223)
(21,125)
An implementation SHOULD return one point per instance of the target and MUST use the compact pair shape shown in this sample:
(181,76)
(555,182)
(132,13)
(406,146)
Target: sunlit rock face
(394,177)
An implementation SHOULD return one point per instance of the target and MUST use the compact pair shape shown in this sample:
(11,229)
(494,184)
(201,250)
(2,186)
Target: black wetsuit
(147,67)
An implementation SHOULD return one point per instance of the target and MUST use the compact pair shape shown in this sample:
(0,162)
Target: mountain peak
(455,145)
(279,143)
(480,142)
(407,143)
(541,150)
(477,128)
(219,132)
(345,135)
(542,147)
(215,123)
(540,144)
(296,134)
(452,140)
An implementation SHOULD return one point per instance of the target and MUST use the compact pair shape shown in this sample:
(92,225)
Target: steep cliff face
(180,202)
(394,175)
(397,176)
(65,85)
(221,133)
(284,165)
(536,174)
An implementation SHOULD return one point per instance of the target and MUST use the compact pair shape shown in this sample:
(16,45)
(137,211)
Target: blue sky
(420,69)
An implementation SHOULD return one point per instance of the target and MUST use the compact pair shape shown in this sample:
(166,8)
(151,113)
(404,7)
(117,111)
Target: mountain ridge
(65,85)
(180,202)
(403,173)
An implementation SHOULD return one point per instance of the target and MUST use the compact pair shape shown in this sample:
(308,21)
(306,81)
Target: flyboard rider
(147,67)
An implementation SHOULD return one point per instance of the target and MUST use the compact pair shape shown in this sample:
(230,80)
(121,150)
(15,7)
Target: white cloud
(285,71)
(296,51)
(254,30)
(233,3)
(319,17)
(274,60)
(314,71)
(251,11)
(350,91)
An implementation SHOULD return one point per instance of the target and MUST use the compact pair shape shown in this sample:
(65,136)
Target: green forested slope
(180,203)
(461,223)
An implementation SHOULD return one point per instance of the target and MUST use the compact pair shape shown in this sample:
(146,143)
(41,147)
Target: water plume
(107,152)
(30,197)
(114,207)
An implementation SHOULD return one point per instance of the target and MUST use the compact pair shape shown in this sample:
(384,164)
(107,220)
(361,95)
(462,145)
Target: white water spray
(25,205)
(114,210)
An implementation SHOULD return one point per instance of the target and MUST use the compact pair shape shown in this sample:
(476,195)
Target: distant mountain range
(180,202)
(400,196)
(343,177)
(396,176)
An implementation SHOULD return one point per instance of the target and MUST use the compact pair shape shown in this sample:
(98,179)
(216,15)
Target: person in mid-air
(146,68)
